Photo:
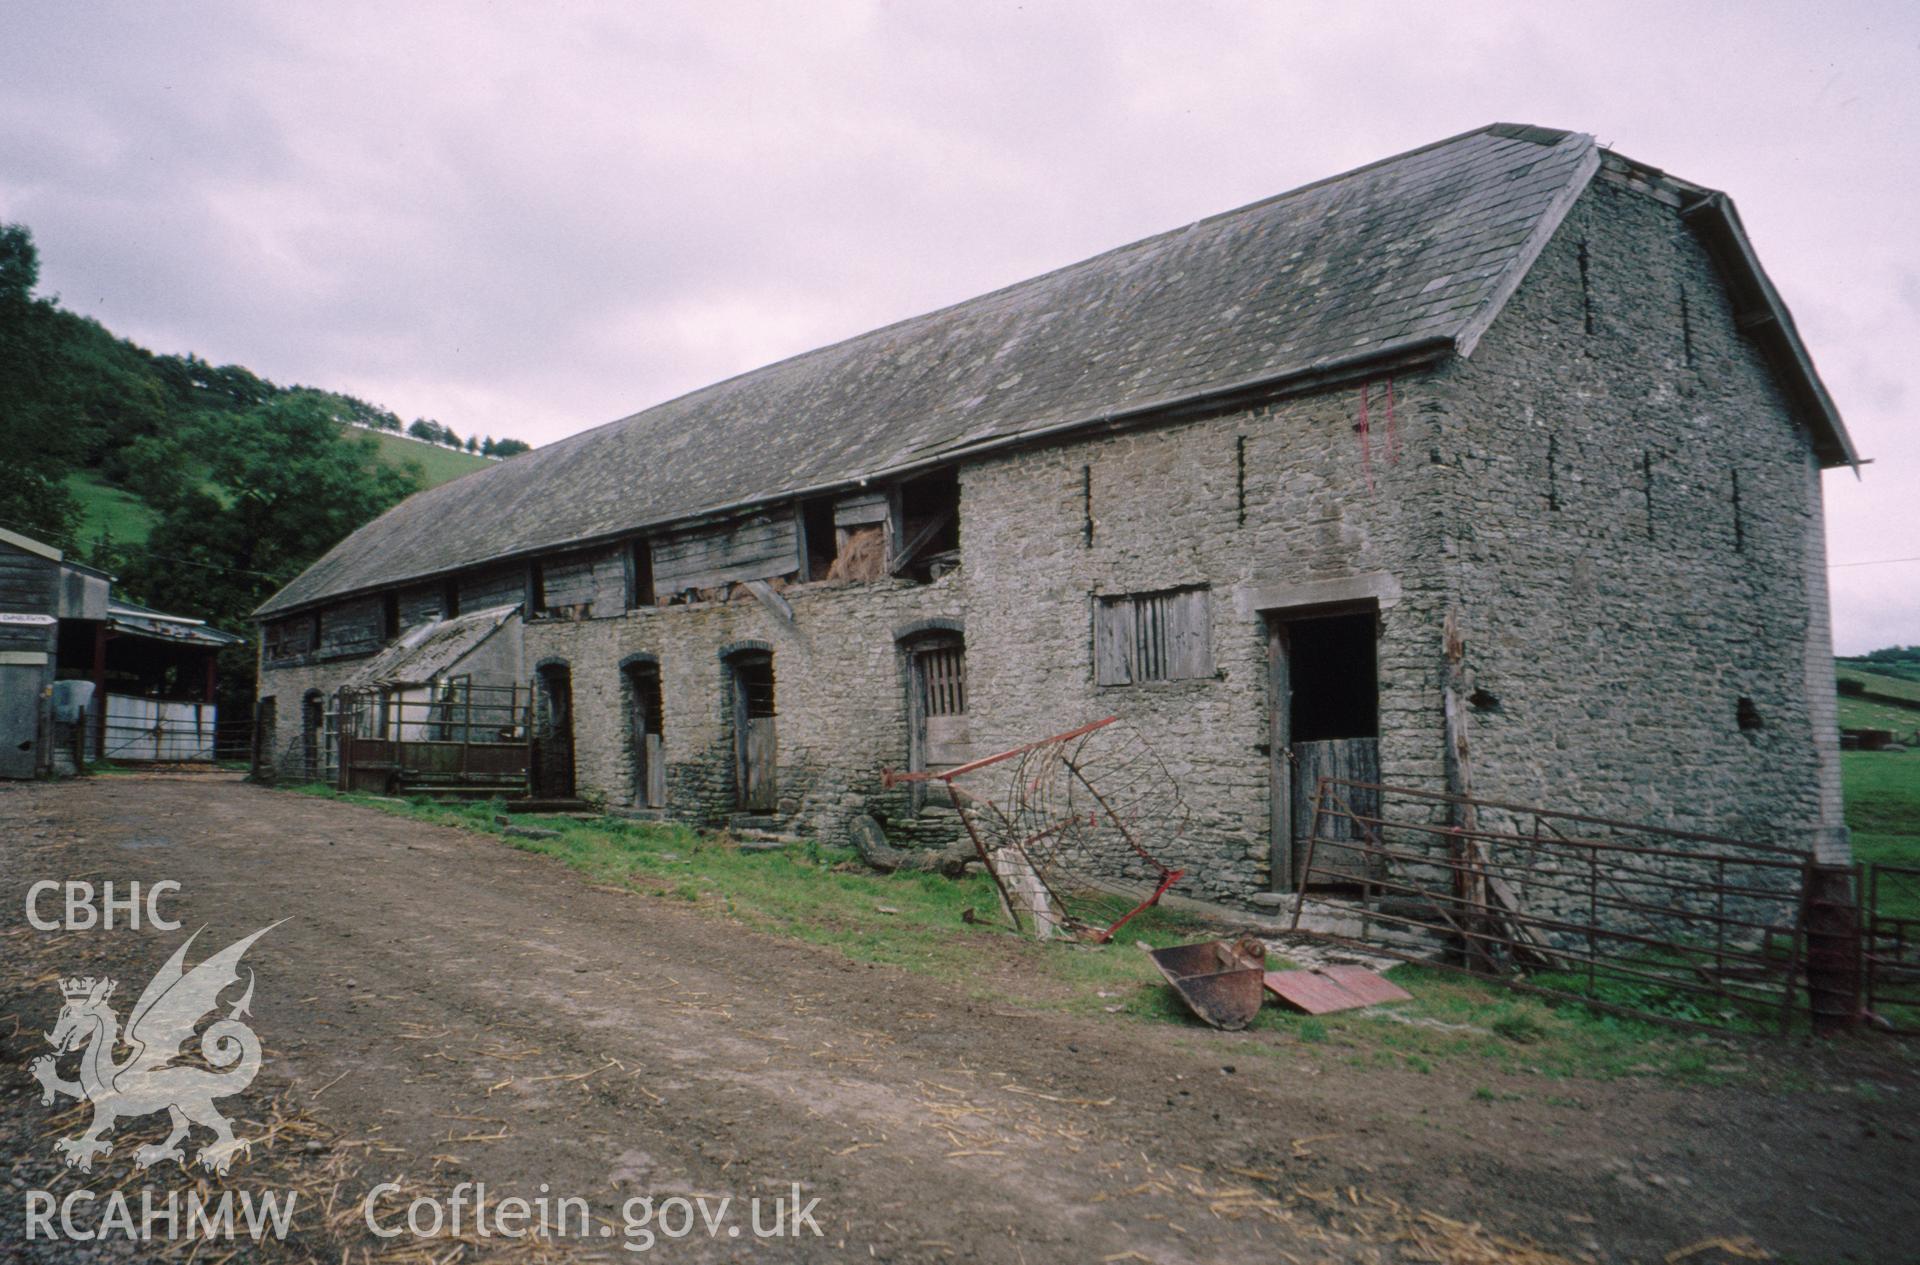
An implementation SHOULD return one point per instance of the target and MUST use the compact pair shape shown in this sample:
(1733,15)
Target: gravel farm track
(438,1008)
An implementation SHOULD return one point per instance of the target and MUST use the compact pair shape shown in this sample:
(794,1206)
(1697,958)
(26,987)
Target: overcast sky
(528,220)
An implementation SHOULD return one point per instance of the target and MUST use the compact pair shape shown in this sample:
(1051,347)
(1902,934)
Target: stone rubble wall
(1609,601)
(1568,491)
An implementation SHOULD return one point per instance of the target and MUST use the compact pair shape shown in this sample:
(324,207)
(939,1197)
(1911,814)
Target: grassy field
(439,465)
(1883,809)
(119,515)
(1859,713)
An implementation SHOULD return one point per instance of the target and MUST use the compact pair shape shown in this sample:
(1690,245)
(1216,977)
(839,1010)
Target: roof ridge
(1066,268)
(1422,243)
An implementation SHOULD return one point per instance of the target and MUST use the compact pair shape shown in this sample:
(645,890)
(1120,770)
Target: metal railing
(1677,926)
(1890,946)
(451,734)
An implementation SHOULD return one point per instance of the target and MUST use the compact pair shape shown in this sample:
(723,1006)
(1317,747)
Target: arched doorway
(313,722)
(646,733)
(553,731)
(755,742)
(937,736)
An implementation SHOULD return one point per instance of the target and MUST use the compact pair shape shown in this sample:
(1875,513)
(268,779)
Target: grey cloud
(531,220)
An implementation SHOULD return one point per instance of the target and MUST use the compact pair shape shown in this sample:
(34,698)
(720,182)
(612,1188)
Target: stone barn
(1231,483)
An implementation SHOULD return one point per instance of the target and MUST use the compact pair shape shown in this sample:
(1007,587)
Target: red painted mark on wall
(1393,431)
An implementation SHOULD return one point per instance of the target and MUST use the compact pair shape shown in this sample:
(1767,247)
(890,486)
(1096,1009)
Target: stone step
(448,792)
(778,838)
(549,806)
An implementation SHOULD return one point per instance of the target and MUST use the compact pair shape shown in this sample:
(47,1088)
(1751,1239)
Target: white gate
(152,729)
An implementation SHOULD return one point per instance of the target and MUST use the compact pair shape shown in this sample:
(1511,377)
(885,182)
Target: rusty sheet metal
(1323,990)
(1219,981)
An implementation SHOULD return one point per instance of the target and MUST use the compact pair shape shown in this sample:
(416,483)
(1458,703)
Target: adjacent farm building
(1231,483)
(84,674)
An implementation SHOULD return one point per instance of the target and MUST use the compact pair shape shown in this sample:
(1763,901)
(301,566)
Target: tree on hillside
(351,410)
(473,444)
(510,447)
(39,447)
(248,499)
(19,262)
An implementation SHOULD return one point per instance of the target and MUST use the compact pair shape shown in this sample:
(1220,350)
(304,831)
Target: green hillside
(123,518)
(1866,713)
(109,512)
(437,464)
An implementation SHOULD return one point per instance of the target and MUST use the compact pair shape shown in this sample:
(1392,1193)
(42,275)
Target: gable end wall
(1611,602)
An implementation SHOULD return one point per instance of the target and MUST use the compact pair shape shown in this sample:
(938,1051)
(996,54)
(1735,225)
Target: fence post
(1832,915)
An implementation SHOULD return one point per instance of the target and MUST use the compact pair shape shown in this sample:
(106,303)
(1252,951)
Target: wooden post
(1469,878)
(100,690)
(1832,917)
(1282,866)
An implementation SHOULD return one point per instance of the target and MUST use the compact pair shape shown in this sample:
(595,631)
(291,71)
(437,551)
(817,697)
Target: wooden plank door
(1280,862)
(655,792)
(937,717)
(761,792)
(644,719)
(756,740)
(1356,759)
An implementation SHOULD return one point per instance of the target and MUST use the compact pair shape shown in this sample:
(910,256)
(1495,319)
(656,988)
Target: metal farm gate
(1890,946)
(1677,926)
(152,729)
(448,738)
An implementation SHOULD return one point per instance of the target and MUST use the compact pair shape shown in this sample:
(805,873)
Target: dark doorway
(1325,723)
(266,757)
(644,729)
(553,733)
(756,748)
(313,721)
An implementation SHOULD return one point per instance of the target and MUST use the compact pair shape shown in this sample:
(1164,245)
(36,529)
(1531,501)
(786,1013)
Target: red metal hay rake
(1065,834)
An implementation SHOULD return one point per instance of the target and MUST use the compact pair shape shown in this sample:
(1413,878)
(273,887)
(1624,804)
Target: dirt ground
(446,1009)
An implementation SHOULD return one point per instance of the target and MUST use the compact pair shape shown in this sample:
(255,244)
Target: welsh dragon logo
(149,1079)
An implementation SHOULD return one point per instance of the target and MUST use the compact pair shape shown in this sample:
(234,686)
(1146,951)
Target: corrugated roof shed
(135,620)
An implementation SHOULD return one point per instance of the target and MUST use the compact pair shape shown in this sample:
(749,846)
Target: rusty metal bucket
(1219,981)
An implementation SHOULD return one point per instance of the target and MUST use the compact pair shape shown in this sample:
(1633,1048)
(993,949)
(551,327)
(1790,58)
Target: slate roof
(427,650)
(1416,253)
